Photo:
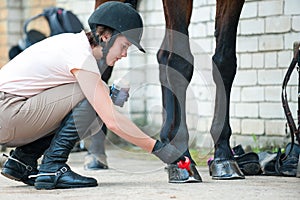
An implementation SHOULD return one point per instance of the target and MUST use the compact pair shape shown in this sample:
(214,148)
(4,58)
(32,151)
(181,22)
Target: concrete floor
(142,176)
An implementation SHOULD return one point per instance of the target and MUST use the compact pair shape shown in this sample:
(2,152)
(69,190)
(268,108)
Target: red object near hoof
(184,164)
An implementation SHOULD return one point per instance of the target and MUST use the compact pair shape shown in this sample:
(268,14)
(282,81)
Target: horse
(173,66)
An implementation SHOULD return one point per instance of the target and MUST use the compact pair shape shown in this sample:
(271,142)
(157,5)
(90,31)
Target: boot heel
(17,170)
(11,174)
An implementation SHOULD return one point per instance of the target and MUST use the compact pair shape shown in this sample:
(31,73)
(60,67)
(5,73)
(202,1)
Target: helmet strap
(102,64)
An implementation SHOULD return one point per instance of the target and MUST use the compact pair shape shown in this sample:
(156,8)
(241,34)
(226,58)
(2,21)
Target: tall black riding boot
(22,162)
(54,172)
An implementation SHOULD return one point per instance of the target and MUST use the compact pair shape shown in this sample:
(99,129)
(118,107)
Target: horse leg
(132,2)
(173,85)
(176,70)
(224,70)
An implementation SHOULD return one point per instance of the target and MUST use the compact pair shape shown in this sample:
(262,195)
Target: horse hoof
(178,175)
(225,170)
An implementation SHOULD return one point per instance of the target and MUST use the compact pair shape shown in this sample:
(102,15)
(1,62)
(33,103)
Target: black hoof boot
(17,170)
(249,163)
(225,170)
(62,179)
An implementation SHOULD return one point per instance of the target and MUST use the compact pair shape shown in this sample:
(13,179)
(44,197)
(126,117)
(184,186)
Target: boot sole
(189,180)
(44,185)
(50,186)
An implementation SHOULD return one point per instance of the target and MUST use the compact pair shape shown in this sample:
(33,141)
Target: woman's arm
(96,93)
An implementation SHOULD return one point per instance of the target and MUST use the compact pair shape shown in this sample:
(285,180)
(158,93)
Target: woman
(52,95)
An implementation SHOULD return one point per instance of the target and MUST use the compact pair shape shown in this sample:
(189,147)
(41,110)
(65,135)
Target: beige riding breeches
(23,120)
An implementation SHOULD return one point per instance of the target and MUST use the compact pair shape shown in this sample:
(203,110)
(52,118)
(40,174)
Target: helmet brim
(137,45)
(134,37)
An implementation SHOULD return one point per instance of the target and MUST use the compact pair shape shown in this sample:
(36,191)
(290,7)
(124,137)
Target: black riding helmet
(121,17)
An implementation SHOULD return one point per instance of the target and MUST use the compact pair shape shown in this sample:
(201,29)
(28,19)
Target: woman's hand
(119,97)
(167,153)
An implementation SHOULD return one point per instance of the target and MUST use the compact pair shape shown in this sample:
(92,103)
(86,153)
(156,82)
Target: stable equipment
(286,164)
(294,130)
